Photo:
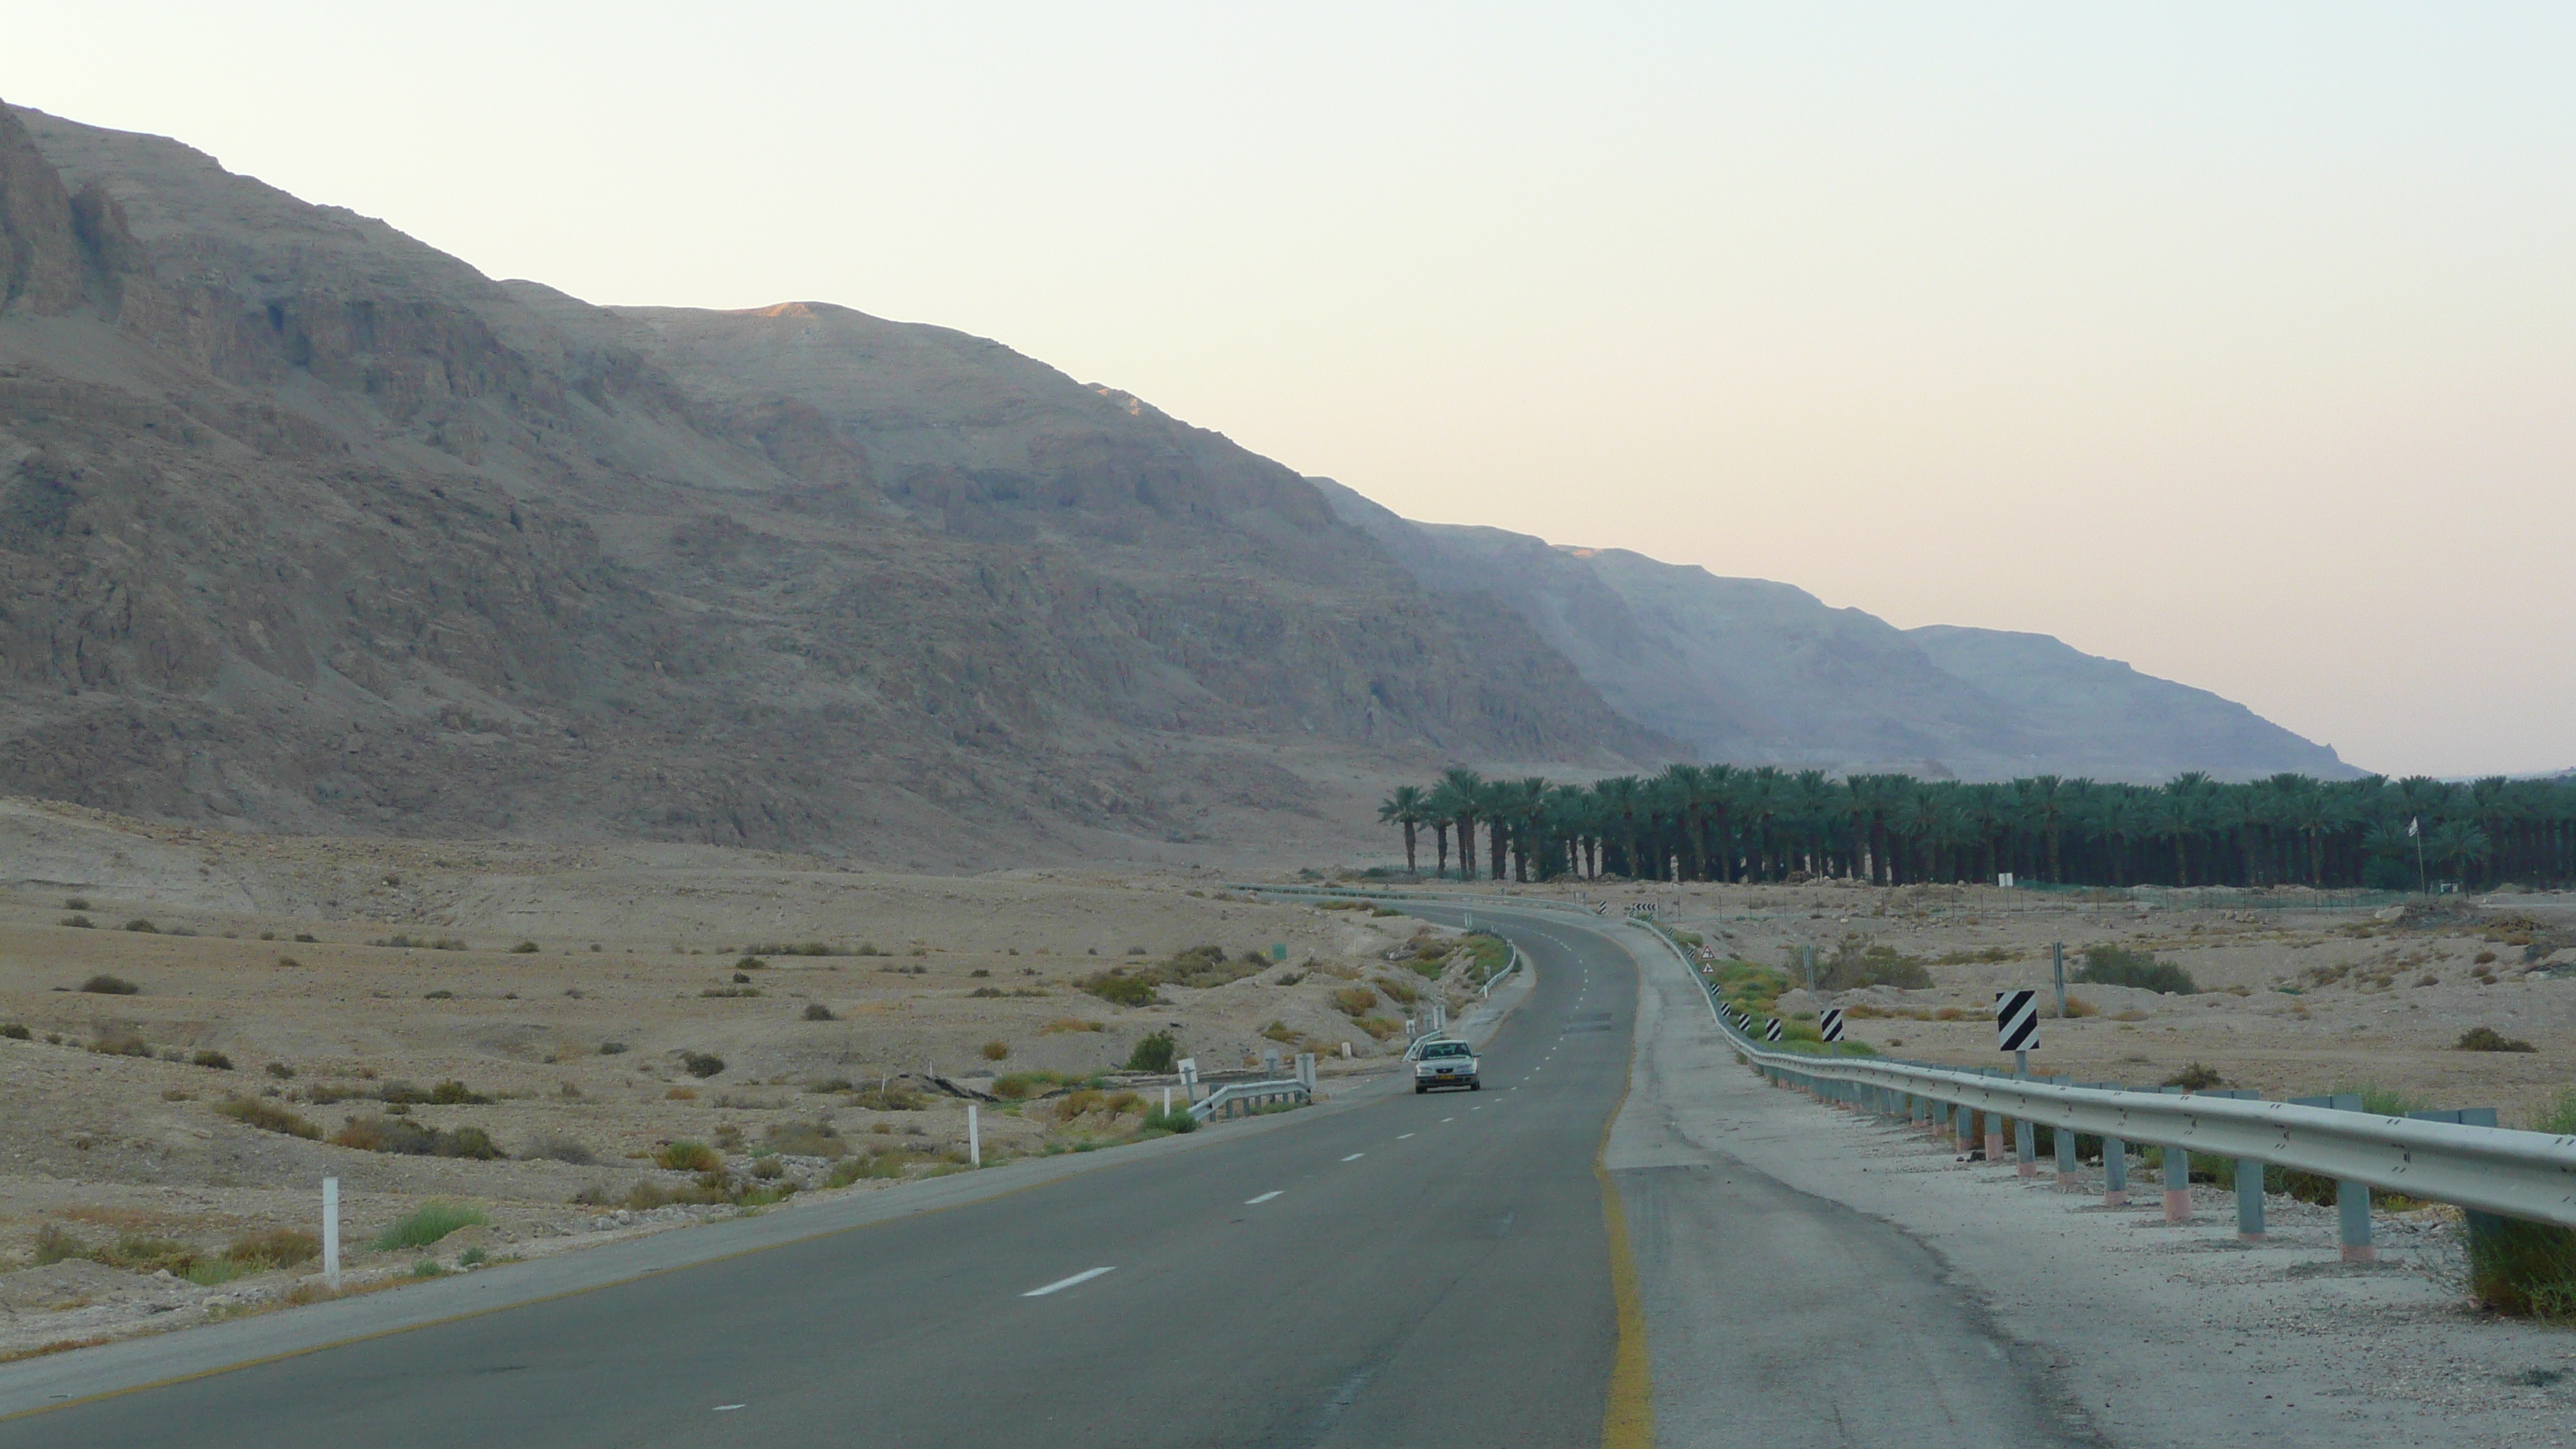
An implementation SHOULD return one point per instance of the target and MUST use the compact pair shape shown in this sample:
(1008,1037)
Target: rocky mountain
(306,525)
(1759,672)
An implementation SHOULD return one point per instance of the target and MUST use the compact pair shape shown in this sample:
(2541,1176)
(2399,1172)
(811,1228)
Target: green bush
(817,1138)
(2195,1078)
(1176,1120)
(105,985)
(2525,1269)
(2107,965)
(526,948)
(1120,989)
(214,1059)
(427,1224)
(817,1011)
(1155,1053)
(142,925)
(702,1064)
(2488,1039)
(554,1147)
(15,1031)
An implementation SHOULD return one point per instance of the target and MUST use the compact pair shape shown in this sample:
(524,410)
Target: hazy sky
(2235,341)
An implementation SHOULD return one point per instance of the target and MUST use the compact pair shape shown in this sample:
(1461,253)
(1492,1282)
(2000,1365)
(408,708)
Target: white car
(1442,1062)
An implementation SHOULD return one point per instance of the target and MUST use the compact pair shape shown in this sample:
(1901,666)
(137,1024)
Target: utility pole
(2057,959)
(1809,952)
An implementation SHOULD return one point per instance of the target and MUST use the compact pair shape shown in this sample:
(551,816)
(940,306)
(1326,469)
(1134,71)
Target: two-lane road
(1414,1269)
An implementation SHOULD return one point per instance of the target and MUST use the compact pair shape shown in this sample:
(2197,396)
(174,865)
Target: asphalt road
(1418,1269)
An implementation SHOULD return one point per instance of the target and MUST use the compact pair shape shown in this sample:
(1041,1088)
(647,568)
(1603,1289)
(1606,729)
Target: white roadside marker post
(974,1138)
(331,1232)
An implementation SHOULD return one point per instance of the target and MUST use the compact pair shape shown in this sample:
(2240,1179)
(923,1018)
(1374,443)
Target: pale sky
(2234,341)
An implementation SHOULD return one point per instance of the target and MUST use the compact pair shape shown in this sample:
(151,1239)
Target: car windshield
(1445,1049)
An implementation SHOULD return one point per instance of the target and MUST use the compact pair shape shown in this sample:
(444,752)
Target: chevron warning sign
(1830,1025)
(2016,1020)
(1772,1032)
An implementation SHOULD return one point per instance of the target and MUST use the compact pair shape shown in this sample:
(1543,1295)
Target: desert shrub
(120,1041)
(681,1094)
(817,1011)
(77,903)
(411,1139)
(831,1084)
(307,938)
(749,963)
(1858,962)
(1354,1000)
(445,1094)
(1119,989)
(58,1244)
(731,991)
(2077,1006)
(78,923)
(2108,965)
(702,1064)
(1176,1120)
(105,985)
(555,1147)
(441,994)
(688,1157)
(267,1116)
(1381,1027)
(2195,1078)
(2559,1117)
(1071,1023)
(2488,1039)
(984,992)
(886,1097)
(1154,1053)
(214,1059)
(1398,992)
(280,1070)
(1278,1031)
(806,1139)
(611,1048)
(427,1224)
(15,1031)
(275,1248)
(2526,1269)
(526,948)
(995,1050)
(143,926)
(1206,966)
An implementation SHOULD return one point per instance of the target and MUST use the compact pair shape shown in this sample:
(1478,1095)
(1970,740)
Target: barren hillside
(306,525)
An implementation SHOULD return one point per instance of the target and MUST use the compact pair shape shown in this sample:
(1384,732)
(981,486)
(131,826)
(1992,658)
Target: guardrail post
(2177,1175)
(2352,1199)
(2063,1139)
(1994,1137)
(2025,1148)
(2115,1172)
(2177,1184)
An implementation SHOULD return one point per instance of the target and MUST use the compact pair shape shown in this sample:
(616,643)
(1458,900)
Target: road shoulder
(2156,1334)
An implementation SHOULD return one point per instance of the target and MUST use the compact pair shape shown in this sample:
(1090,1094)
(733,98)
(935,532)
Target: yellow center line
(1628,1414)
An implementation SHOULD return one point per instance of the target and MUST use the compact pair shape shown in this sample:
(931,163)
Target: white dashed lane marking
(1062,1283)
(1265,1197)
(1354,1157)
(1400,1136)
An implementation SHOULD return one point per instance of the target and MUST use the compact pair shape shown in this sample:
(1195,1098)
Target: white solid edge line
(1400,1136)
(1354,1157)
(1084,1277)
(1265,1197)
(722,1408)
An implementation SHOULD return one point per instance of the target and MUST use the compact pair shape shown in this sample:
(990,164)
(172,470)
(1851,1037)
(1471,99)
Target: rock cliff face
(1759,672)
(306,525)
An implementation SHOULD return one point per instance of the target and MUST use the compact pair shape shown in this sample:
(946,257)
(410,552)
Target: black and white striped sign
(1830,1025)
(2016,1020)
(1772,1032)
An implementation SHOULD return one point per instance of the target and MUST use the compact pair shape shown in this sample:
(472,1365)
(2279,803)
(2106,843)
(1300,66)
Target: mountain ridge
(1760,672)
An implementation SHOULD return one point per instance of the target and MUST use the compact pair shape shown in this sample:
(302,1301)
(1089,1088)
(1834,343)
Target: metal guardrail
(1235,1098)
(2527,1175)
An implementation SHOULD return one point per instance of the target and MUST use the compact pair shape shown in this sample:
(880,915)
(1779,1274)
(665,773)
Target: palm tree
(1406,805)
(1453,805)
(2458,844)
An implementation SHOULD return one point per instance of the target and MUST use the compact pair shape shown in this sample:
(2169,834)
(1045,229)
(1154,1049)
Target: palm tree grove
(1725,823)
